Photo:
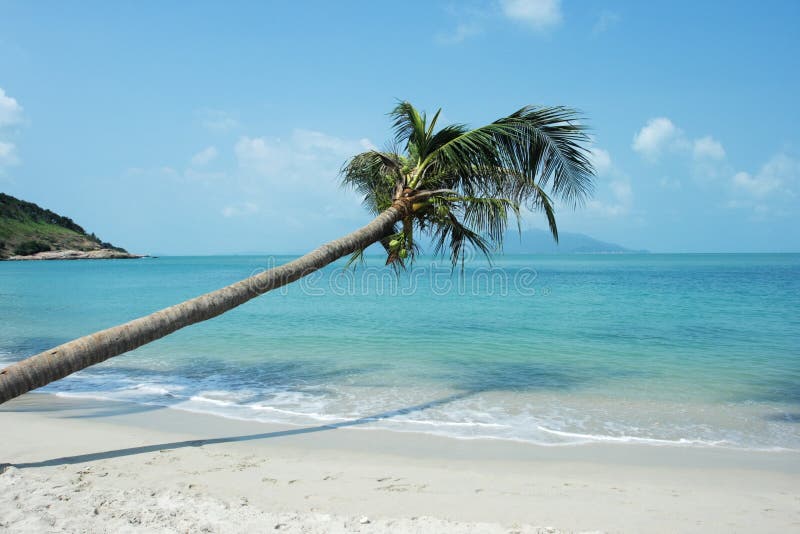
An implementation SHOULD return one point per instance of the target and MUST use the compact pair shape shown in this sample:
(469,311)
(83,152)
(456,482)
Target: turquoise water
(701,350)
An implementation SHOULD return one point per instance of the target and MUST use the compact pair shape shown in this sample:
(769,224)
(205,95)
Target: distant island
(30,232)
(537,241)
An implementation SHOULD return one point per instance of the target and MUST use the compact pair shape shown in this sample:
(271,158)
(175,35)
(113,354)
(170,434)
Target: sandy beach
(99,466)
(497,266)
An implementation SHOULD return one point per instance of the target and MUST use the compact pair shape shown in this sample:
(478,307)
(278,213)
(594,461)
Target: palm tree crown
(458,186)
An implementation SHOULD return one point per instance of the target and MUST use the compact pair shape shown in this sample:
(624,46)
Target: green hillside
(26,228)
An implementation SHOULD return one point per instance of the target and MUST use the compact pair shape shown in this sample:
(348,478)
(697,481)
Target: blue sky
(208,128)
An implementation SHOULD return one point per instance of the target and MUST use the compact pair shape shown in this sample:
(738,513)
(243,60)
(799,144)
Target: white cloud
(304,156)
(708,148)
(660,135)
(656,136)
(205,156)
(622,191)
(287,184)
(298,176)
(780,175)
(770,192)
(601,160)
(615,202)
(311,140)
(217,120)
(472,20)
(189,176)
(616,198)
(469,20)
(753,185)
(704,157)
(202,177)
(259,155)
(461,33)
(238,210)
(605,21)
(10,110)
(10,114)
(538,14)
(8,154)
(670,184)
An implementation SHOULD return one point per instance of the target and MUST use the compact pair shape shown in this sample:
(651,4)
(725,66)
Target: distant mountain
(537,241)
(29,230)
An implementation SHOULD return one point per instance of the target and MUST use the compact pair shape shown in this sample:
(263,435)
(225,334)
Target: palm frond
(559,146)
(356,258)
(464,184)
(489,216)
(373,175)
(543,202)
(432,124)
(535,198)
(450,233)
(409,127)
(544,145)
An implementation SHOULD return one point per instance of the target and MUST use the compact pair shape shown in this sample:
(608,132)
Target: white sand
(90,466)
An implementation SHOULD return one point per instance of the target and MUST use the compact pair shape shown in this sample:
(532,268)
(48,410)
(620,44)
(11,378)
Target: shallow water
(692,349)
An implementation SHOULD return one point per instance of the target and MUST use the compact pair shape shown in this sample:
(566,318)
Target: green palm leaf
(459,186)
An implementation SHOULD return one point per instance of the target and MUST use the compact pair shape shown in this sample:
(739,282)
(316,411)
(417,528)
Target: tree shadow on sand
(91,457)
(473,379)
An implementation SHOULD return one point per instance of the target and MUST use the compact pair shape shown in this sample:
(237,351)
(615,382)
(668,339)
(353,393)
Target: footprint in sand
(403,487)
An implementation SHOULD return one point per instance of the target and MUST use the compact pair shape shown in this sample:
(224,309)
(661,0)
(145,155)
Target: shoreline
(100,254)
(362,425)
(175,470)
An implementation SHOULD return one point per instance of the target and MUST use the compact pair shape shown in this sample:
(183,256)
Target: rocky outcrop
(101,254)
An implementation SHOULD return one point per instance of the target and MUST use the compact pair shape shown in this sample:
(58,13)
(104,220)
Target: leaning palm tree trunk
(455,185)
(58,362)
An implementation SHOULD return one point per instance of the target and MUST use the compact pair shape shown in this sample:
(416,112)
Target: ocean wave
(546,420)
(465,420)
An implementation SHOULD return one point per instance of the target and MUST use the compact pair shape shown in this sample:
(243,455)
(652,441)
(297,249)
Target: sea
(694,350)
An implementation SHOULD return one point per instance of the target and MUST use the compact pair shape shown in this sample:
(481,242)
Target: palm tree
(454,185)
